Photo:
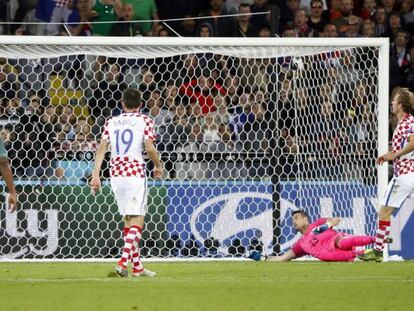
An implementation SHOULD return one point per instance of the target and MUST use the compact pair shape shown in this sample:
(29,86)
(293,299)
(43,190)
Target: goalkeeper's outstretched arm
(289,255)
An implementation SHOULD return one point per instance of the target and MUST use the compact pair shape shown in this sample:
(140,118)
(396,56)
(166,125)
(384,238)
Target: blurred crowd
(218,117)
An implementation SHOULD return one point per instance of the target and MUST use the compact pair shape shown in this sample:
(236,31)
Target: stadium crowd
(216,115)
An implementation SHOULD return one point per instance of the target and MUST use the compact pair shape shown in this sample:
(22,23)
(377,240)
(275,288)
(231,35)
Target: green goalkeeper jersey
(3,152)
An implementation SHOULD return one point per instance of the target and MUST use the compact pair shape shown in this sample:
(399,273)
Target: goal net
(248,131)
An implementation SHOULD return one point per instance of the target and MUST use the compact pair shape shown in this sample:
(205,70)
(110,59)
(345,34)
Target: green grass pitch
(199,286)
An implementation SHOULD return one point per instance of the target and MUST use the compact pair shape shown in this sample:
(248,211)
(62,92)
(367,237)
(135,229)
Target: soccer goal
(248,129)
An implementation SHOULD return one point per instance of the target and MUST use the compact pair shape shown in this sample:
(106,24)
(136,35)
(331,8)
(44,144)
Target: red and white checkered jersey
(405,128)
(126,134)
(62,3)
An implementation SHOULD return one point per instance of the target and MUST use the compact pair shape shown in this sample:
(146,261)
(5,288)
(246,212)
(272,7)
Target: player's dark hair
(406,99)
(132,98)
(302,212)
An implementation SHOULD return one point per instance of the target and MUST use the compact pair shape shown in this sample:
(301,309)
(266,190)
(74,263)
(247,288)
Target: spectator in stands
(368,10)
(125,27)
(60,14)
(347,7)
(162,32)
(265,32)
(20,14)
(301,24)
(147,85)
(326,131)
(83,134)
(106,11)
(290,32)
(399,52)
(368,29)
(409,72)
(14,108)
(354,25)
(394,24)
(8,82)
(211,134)
(106,97)
(263,20)
(241,116)
(408,17)
(67,119)
(187,27)
(406,8)
(195,113)
(221,115)
(231,83)
(203,90)
(176,132)
(170,96)
(381,25)
(318,17)
(335,10)
(255,137)
(330,31)
(189,69)
(388,6)
(191,168)
(82,14)
(232,6)
(143,10)
(154,100)
(205,30)
(161,118)
(244,27)
(35,149)
(222,27)
(288,15)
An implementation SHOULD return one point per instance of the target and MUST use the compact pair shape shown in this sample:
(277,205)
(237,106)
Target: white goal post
(249,130)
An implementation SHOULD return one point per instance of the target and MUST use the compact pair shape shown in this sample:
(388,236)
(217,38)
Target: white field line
(228,279)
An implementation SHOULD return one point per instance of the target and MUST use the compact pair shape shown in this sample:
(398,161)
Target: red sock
(382,233)
(135,256)
(349,242)
(125,233)
(133,232)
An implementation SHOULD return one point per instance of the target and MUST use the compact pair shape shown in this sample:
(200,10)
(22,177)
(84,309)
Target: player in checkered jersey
(401,187)
(126,134)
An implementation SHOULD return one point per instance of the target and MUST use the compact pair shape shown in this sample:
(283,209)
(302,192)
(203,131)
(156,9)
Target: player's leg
(122,269)
(397,192)
(338,255)
(348,242)
(383,231)
(126,191)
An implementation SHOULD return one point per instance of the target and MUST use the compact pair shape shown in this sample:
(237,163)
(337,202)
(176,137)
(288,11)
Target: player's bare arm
(289,255)
(154,157)
(6,172)
(99,157)
(391,156)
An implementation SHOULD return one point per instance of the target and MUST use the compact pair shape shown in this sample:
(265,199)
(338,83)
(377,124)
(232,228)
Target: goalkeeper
(319,240)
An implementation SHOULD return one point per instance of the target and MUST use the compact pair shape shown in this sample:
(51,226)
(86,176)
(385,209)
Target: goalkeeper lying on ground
(320,241)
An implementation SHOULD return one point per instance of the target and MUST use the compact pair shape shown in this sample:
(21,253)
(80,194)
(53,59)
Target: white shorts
(399,189)
(130,194)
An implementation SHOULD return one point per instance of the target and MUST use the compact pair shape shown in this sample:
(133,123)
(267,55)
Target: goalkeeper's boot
(145,273)
(371,255)
(121,271)
(256,255)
